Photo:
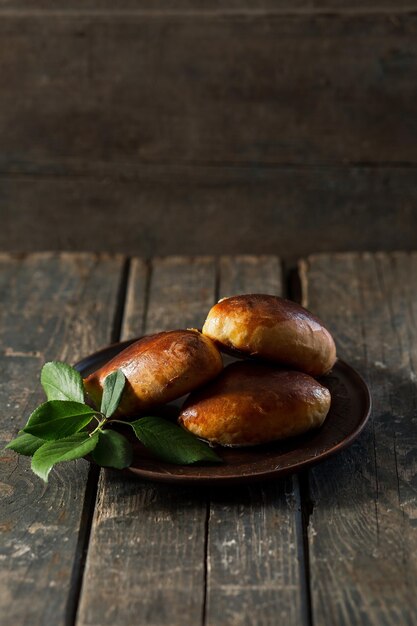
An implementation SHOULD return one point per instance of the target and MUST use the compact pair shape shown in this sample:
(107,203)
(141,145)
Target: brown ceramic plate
(349,412)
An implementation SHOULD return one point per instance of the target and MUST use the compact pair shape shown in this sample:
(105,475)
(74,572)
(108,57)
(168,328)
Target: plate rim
(244,477)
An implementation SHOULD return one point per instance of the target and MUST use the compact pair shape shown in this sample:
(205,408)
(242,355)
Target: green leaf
(67,449)
(58,419)
(113,450)
(25,444)
(62,382)
(171,443)
(112,390)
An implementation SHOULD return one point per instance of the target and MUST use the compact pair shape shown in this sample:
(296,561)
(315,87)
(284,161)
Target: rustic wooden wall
(196,127)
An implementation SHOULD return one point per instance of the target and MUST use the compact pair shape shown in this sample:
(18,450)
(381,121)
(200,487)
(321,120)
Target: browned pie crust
(159,368)
(272,328)
(252,403)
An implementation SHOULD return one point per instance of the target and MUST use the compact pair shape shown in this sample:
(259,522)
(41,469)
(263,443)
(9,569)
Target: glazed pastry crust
(274,329)
(159,368)
(252,403)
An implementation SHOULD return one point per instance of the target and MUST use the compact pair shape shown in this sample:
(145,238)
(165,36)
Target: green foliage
(68,449)
(25,444)
(112,391)
(62,382)
(113,450)
(57,419)
(59,429)
(171,443)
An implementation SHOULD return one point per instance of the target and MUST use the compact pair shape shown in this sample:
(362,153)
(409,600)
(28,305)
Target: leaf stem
(121,422)
(99,426)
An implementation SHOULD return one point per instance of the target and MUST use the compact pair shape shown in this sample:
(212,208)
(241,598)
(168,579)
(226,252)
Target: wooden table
(333,546)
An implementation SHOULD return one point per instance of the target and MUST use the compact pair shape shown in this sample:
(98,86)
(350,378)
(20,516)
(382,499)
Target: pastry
(252,403)
(159,368)
(272,328)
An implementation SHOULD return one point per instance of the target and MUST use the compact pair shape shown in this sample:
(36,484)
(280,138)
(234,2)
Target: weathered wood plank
(52,307)
(182,294)
(133,323)
(363,532)
(160,8)
(255,568)
(218,89)
(172,210)
(150,539)
(250,274)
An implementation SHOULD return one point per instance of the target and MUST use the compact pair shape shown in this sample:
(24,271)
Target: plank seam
(207,13)
(208,501)
(148,280)
(307,508)
(83,541)
(90,496)
(296,289)
(148,171)
(206,556)
(121,302)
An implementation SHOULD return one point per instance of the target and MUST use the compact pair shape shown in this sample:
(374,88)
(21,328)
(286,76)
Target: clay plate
(349,412)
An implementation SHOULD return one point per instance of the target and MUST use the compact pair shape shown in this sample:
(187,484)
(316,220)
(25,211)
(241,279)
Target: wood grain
(175,112)
(133,322)
(363,532)
(150,540)
(217,89)
(255,563)
(183,291)
(160,8)
(50,310)
(250,274)
(211,210)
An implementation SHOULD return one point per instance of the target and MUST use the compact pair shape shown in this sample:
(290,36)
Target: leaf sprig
(61,428)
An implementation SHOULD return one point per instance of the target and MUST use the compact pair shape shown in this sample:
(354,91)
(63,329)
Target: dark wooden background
(214,126)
